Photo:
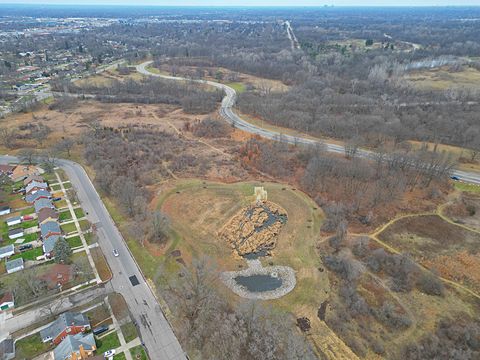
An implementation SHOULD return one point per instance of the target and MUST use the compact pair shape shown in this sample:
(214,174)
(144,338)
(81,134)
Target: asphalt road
(226,111)
(155,331)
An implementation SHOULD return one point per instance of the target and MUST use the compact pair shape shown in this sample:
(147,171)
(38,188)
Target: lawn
(30,237)
(74,241)
(79,213)
(28,211)
(60,204)
(237,86)
(107,342)
(67,185)
(129,331)
(55,187)
(29,224)
(467,187)
(138,353)
(29,255)
(65,215)
(84,224)
(98,315)
(120,356)
(101,264)
(68,228)
(31,346)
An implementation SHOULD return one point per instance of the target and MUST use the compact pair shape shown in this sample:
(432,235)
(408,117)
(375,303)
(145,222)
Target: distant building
(6,169)
(43,204)
(68,323)
(14,265)
(7,251)
(49,228)
(35,186)
(75,347)
(46,215)
(40,194)
(49,244)
(31,178)
(21,172)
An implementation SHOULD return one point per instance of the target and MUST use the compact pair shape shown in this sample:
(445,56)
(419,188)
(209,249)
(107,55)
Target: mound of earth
(255,228)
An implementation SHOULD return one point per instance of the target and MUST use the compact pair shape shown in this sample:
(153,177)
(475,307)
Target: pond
(259,283)
(255,255)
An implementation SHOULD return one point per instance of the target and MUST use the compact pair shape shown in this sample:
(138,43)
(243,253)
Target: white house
(14,265)
(4,210)
(15,233)
(7,251)
(14,220)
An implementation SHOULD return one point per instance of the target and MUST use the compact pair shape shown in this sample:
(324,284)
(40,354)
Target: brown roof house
(21,172)
(31,178)
(6,169)
(46,215)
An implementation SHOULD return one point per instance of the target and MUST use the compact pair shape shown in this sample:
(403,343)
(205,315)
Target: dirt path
(438,212)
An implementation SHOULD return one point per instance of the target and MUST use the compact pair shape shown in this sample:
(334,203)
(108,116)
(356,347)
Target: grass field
(443,78)
(237,86)
(198,210)
(467,187)
(129,331)
(74,241)
(29,255)
(30,347)
(138,353)
(107,342)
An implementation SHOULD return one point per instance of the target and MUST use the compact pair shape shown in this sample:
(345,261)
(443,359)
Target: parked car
(25,247)
(109,353)
(27,217)
(99,330)
(57,199)
(455,178)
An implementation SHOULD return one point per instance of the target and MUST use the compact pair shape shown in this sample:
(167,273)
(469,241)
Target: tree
(62,251)
(159,227)
(8,137)
(40,133)
(369,42)
(27,155)
(64,145)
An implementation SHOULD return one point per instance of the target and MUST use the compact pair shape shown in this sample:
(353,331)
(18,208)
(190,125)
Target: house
(31,178)
(7,349)
(49,228)
(46,215)
(49,244)
(21,172)
(7,251)
(42,204)
(68,323)
(6,169)
(15,233)
(75,347)
(14,220)
(14,265)
(7,301)
(40,194)
(35,186)
(4,210)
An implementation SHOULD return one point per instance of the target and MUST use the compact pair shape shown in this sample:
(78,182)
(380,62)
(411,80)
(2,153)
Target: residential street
(159,338)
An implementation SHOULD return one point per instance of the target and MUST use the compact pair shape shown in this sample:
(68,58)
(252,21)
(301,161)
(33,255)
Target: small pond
(259,283)
(255,255)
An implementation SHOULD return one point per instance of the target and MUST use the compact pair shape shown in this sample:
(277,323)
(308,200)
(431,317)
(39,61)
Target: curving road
(226,111)
(155,331)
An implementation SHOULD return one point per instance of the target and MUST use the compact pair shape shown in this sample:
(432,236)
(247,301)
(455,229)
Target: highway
(155,331)
(227,112)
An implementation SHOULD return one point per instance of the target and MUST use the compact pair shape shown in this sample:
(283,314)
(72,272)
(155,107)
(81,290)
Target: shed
(7,251)
(4,210)
(14,220)
(15,233)
(14,265)
(6,301)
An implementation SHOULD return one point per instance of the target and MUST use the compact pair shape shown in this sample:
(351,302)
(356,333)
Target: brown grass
(101,264)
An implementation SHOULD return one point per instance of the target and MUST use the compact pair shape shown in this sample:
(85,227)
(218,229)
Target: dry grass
(442,79)
(101,264)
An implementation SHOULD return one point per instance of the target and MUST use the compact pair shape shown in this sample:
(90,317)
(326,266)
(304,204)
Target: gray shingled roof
(30,198)
(35,184)
(49,243)
(13,264)
(15,218)
(72,344)
(49,227)
(42,203)
(6,249)
(63,321)
(15,232)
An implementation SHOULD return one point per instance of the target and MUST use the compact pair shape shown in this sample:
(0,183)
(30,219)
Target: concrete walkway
(79,230)
(123,343)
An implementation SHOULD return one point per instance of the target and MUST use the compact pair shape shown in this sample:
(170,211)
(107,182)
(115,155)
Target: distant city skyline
(251,2)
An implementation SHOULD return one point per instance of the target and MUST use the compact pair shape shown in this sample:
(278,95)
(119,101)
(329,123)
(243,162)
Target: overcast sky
(253,2)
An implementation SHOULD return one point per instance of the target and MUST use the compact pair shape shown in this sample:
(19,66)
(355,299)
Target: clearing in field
(444,78)
(439,245)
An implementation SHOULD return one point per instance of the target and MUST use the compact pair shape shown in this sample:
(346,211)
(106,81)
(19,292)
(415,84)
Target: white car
(115,253)
(109,353)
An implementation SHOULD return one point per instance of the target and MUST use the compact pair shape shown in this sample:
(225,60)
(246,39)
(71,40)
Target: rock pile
(255,228)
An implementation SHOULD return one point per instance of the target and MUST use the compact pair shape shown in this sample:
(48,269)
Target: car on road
(115,253)
(455,178)
(109,353)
